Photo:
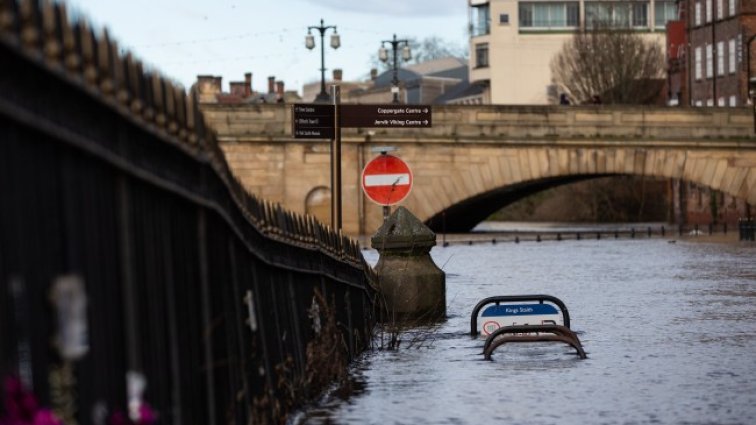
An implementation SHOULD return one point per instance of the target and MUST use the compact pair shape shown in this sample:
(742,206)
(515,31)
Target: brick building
(210,89)
(718,31)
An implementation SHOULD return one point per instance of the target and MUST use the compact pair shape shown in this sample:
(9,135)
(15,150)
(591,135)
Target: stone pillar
(410,283)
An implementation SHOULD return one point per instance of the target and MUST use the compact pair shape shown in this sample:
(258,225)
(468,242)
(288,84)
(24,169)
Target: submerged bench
(532,333)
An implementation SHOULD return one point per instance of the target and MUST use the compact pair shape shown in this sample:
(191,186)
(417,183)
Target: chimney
(373,74)
(248,84)
(280,88)
(337,73)
(271,84)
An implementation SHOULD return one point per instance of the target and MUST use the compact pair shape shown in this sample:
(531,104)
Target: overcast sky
(184,38)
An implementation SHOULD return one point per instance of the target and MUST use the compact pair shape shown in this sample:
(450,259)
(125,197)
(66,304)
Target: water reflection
(670,331)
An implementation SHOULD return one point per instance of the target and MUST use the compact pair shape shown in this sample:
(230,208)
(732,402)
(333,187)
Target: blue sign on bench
(496,316)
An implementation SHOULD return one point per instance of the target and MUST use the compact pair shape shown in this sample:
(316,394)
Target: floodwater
(669,329)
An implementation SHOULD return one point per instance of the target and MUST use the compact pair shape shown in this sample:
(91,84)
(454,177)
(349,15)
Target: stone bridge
(477,159)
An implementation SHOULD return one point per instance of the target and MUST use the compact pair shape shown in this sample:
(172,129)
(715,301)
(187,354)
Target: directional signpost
(386,180)
(386,116)
(313,121)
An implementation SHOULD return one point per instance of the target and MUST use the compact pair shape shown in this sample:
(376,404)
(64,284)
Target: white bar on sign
(387,180)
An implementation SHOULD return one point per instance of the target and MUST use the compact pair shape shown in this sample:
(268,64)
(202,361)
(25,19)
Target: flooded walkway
(670,332)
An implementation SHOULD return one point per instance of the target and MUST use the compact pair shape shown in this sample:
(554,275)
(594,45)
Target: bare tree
(617,64)
(429,48)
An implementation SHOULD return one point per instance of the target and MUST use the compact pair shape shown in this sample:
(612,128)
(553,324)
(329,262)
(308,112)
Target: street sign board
(386,180)
(497,316)
(385,116)
(312,121)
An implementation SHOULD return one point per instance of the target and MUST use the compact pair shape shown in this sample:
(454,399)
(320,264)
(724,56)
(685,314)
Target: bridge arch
(485,178)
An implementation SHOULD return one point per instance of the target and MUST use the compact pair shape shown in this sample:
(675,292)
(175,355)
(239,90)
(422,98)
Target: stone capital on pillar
(411,284)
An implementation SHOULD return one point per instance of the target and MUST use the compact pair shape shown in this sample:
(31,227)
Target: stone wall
(476,150)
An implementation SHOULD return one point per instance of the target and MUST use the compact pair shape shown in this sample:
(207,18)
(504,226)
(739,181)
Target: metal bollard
(662,231)
(649,232)
(632,232)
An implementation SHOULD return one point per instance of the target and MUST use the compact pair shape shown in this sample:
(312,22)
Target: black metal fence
(129,254)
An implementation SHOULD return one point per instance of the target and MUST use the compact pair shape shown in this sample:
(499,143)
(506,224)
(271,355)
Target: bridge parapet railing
(595,124)
(129,249)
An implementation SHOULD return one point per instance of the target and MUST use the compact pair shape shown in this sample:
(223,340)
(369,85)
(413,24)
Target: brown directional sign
(386,116)
(312,121)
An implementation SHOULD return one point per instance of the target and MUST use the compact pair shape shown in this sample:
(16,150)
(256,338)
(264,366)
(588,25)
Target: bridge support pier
(412,287)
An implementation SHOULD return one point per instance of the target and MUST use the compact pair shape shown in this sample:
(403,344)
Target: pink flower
(147,416)
(46,417)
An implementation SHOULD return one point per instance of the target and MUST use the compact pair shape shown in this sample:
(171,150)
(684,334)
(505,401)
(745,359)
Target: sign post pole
(386,208)
(336,161)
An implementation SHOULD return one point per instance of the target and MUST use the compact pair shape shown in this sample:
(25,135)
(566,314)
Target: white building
(512,42)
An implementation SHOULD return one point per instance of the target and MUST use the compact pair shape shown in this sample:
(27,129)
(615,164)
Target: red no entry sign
(386,180)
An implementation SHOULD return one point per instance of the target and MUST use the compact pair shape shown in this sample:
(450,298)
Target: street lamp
(383,56)
(310,44)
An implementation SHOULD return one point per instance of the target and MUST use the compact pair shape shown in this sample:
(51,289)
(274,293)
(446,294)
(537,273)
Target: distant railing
(136,273)
(747,229)
(640,232)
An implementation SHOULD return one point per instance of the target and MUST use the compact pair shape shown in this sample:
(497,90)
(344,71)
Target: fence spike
(104,68)
(51,35)
(87,45)
(119,74)
(181,98)
(30,31)
(170,107)
(9,19)
(145,82)
(158,99)
(191,117)
(71,57)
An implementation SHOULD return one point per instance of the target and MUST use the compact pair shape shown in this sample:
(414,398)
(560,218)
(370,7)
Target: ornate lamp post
(310,44)
(383,56)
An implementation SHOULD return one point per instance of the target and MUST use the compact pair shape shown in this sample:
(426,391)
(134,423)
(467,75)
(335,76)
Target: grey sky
(231,37)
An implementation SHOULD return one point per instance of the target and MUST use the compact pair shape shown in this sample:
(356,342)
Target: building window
(504,18)
(720,9)
(664,11)
(698,13)
(549,15)
(640,14)
(733,101)
(709,102)
(699,103)
(708,10)
(698,68)
(617,14)
(481,20)
(721,101)
(732,7)
(720,58)
(709,60)
(732,55)
(481,55)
